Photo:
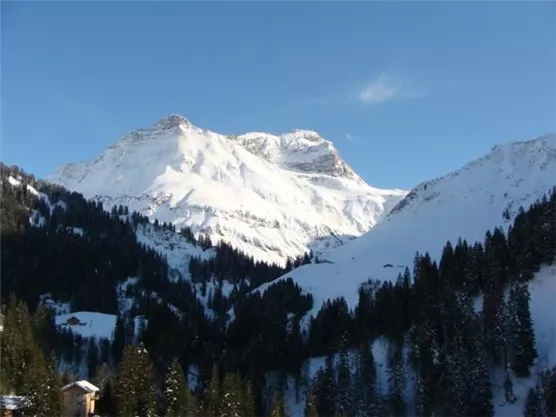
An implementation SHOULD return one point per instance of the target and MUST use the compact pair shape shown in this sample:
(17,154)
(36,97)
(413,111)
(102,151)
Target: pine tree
(176,391)
(102,375)
(454,368)
(106,404)
(278,408)
(42,390)
(396,379)
(548,391)
(92,358)
(67,377)
(479,402)
(248,400)
(532,404)
(135,387)
(126,392)
(453,388)
(147,388)
(364,396)
(344,384)
(119,340)
(53,387)
(524,346)
(495,314)
(310,404)
(214,391)
(230,401)
(422,403)
(325,389)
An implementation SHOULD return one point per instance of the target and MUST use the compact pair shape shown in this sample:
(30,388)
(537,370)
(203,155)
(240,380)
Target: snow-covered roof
(84,385)
(12,402)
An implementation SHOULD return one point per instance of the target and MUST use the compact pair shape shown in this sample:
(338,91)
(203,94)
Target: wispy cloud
(387,87)
(381,88)
(349,136)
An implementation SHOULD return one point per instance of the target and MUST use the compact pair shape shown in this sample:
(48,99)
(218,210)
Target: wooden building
(79,399)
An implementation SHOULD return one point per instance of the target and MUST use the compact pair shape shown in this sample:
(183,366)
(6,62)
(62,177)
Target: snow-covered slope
(177,250)
(465,203)
(543,299)
(271,196)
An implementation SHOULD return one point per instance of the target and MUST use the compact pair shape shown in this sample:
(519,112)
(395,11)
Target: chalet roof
(84,385)
(12,402)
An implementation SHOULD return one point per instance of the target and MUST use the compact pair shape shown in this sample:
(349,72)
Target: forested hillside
(449,326)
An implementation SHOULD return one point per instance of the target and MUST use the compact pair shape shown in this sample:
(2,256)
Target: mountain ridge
(271,196)
(483,194)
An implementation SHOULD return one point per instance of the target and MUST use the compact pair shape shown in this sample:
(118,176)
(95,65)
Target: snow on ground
(313,365)
(125,302)
(139,322)
(226,288)
(36,219)
(212,285)
(177,250)
(92,324)
(13,181)
(95,324)
(192,376)
(76,230)
(267,195)
(460,204)
(17,182)
(543,312)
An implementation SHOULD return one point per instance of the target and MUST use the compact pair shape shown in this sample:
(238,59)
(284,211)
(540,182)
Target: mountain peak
(270,196)
(508,165)
(541,143)
(310,135)
(298,150)
(171,121)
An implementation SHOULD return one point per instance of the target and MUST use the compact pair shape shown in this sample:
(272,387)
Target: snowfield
(270,196)
(465,203)
(177,250)
(92,324)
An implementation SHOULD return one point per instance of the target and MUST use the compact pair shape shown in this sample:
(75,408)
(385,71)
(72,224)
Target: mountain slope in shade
(465,203)
(270,196)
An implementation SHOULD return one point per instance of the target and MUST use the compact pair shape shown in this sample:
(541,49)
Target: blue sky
(407,90)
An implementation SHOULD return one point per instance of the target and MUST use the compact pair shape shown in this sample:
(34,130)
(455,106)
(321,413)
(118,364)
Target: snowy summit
(272,196)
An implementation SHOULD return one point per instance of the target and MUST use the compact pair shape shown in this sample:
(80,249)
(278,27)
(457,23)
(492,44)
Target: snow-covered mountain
(465,203)
(270,196)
